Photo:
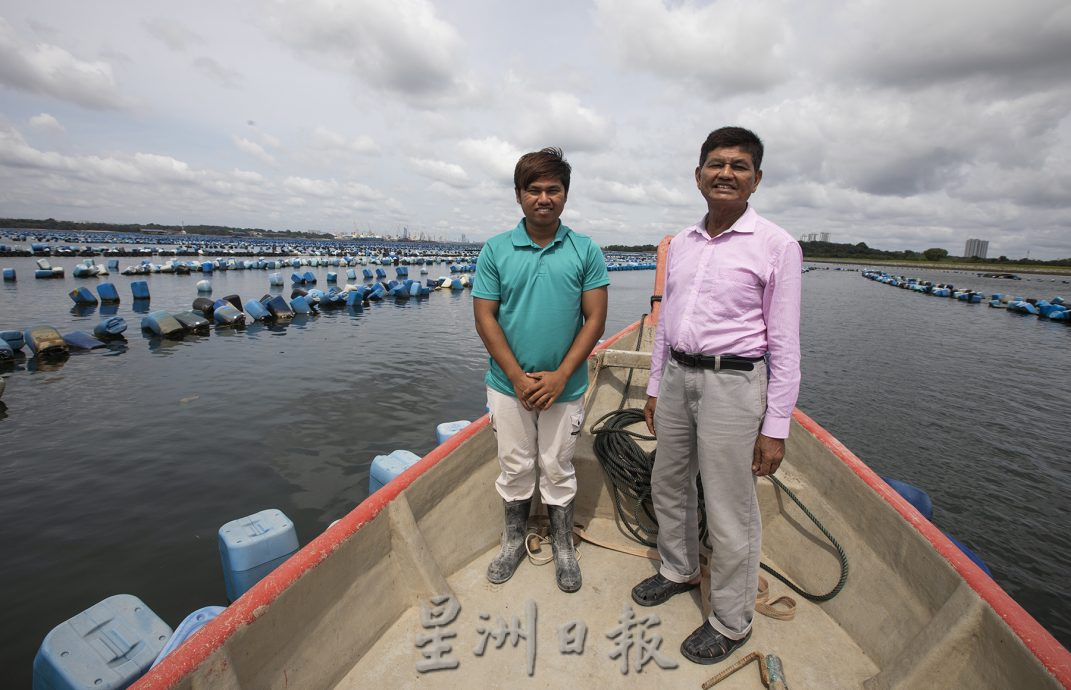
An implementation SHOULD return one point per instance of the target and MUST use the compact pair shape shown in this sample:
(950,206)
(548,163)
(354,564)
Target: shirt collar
(521,239)
(745,223)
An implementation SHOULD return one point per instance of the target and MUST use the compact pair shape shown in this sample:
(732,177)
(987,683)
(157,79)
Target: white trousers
(531,439)
(707,423)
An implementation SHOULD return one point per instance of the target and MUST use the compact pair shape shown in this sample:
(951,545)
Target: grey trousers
(707,422)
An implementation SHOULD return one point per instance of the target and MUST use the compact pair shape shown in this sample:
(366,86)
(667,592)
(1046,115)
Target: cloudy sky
(905,124)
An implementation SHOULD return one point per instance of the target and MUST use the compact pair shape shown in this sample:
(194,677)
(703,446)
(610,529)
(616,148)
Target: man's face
(727,176)
(543,201)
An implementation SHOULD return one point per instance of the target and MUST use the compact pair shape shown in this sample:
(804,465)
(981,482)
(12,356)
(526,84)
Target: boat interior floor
(815,651)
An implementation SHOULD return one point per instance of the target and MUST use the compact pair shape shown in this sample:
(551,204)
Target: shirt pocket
(737,292)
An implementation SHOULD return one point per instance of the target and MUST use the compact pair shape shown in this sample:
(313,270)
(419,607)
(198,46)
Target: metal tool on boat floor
(771,671)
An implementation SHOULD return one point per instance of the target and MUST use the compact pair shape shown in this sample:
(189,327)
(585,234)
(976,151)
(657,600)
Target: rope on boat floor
(629,469)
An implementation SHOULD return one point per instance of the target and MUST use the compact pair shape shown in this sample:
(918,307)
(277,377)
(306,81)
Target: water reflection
(163,346)
(84,309)
(109,308)
(50,362)
(141,306)
(116,347)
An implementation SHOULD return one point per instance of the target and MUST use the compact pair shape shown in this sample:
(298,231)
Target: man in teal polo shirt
(540,306)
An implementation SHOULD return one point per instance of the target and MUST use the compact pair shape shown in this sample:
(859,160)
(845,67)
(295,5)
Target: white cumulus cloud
(50,70)
(254,149)
(441,171)
(403,47)
(44,121)
(725,46)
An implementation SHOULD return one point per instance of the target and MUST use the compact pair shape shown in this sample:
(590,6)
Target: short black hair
(548,162)
(733,136)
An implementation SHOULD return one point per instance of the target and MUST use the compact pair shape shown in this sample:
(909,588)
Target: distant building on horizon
(976,248)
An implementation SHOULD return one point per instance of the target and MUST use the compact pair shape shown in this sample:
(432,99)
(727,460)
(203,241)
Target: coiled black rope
(629,469)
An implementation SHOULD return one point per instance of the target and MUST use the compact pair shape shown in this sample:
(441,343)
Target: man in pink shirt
(724,380)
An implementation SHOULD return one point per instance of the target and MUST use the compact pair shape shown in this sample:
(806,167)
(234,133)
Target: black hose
(628,468)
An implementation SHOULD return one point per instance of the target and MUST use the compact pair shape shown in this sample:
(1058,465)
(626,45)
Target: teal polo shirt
(538,293)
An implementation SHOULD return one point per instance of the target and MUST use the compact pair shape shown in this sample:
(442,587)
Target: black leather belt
(715,362)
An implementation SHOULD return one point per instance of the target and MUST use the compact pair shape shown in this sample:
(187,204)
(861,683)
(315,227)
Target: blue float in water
(913,495)
(189,625)
(381,274)
(385,468)
(253,546)
(13,338)
(113,327)
(108,293)
(80,340)
(367,274)
(9,275)
(310,278)
(109,645)
(140,289)
(332,277)
(279,308)
(227,315)
(163,324)
(257,310)
(300,305)
(447,429)
(82,295)
(969,554)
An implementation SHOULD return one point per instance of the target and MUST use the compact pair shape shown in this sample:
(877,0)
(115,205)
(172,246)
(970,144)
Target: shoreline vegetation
(820,252)
(861,254)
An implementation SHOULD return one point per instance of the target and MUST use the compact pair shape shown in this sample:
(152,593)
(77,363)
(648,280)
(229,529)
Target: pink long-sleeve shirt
(736,294)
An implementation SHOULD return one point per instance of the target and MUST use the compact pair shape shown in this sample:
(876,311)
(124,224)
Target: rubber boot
(566,567)
(513,551)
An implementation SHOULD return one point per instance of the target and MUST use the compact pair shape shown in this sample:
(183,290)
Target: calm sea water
(118,466)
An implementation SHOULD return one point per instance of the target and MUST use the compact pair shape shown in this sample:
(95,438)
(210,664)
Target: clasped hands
(540,389)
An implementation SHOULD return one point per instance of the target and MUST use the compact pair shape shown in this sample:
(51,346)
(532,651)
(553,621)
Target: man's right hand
(648,412)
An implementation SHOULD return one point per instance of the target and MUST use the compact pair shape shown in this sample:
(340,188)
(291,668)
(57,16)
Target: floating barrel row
(1053,309)
(90,269)
(47,342)
(250,548)
(631,266)
(108,293)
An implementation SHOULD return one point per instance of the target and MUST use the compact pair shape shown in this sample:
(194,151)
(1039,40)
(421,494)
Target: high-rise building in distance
(976,248)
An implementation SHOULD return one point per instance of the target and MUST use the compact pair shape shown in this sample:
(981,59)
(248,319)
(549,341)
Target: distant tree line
(626,248)
(860,251)
(70,226)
